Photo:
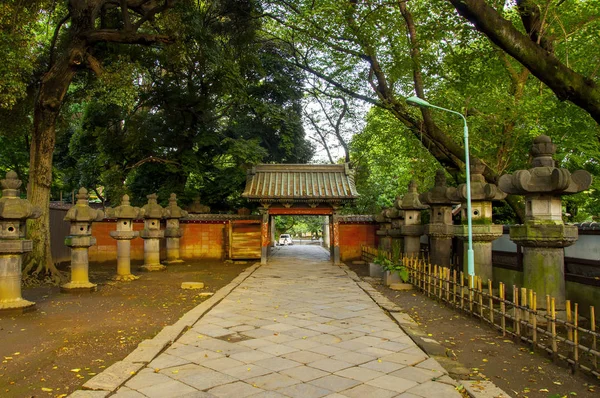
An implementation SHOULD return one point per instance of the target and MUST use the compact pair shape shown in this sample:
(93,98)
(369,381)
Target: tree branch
(563,81)
(116,36)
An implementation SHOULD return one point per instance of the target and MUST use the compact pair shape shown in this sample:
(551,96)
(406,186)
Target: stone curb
(436,352)
(483,389)
(118,373)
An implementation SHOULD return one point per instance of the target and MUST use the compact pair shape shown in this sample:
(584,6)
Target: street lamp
(422,103)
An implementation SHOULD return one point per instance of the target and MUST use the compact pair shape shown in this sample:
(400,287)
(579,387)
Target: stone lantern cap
(198,208)
(152,209)
(125,210)
(438,195)
(480,189)
(410,201)
(174,211)
(11,206)
(544,177)
(82,212)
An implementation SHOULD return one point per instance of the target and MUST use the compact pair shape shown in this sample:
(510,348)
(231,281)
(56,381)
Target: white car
(285,240)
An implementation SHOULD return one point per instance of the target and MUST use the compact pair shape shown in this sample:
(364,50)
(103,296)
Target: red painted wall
(199,241)
(353,236)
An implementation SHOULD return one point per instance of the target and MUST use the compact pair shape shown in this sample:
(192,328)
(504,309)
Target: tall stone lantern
(411,229)
(173,232)
(125,214)
(198,208)
(544,234)
(385,225)
(440,228)
(14,213)
(483,230)
(152,234)
(81,216)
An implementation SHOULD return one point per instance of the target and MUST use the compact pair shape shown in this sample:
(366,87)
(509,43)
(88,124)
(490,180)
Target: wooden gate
(244,239)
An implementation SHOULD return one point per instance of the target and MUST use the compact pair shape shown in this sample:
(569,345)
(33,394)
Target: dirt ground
(69,338)
(485,353)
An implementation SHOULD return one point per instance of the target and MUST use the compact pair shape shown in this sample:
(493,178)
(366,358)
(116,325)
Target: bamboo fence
(565,340)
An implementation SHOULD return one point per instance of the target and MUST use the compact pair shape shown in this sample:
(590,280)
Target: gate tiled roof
(300,182)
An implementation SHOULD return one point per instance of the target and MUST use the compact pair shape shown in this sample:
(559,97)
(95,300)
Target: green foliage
(190,118)
(299,225)
(386,157)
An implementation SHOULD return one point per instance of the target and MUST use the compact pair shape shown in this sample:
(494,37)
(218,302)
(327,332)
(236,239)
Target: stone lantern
(385,225)
(14,213)
(483,230)
(411,229)
(152,234)
(173,213)
(396,217)
(198,208)
(544,234)
(440,228)
(80,239)
(125,214)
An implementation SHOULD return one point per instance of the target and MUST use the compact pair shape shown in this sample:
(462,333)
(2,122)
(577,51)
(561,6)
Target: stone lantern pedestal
(152,234)
(173,213)
(411,229)
(125,214)
(14,212)
(80,239)
(483,230)
(440,228)
(544,235)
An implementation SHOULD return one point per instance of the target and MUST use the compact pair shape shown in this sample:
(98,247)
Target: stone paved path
(297,327)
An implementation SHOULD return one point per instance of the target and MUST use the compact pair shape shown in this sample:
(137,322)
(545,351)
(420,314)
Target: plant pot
(391,277)
(375,270)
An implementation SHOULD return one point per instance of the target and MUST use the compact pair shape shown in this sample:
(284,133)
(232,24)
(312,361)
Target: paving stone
(382,366)
(432,364)
(365,390)
(330,365)
(247,371)
(304,373)
(273,381)
(146,378)
(360,374)
(435,389)
(277,349)
(125,392)
(392,383)
(277,364)
(304,356)
(417,374)
(304,391)
(208,379)
(250,356)
(404,358)
(113,376)
(353,358)
(237,389)
(334,383)
(172,388)
(89,394)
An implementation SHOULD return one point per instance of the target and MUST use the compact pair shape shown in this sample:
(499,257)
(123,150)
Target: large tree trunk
(55,84)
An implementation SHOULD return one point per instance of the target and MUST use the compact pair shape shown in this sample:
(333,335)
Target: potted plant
(376,267)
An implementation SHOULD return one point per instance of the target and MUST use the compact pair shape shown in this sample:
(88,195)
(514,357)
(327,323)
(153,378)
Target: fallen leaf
(75,370)
(46,389)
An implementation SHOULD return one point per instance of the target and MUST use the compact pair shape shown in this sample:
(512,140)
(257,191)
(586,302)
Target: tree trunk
(55,84)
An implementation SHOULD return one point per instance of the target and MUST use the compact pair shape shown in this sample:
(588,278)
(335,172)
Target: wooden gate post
(336,239)
(264,240)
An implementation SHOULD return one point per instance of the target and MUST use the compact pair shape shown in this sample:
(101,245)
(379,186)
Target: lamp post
(424,104)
